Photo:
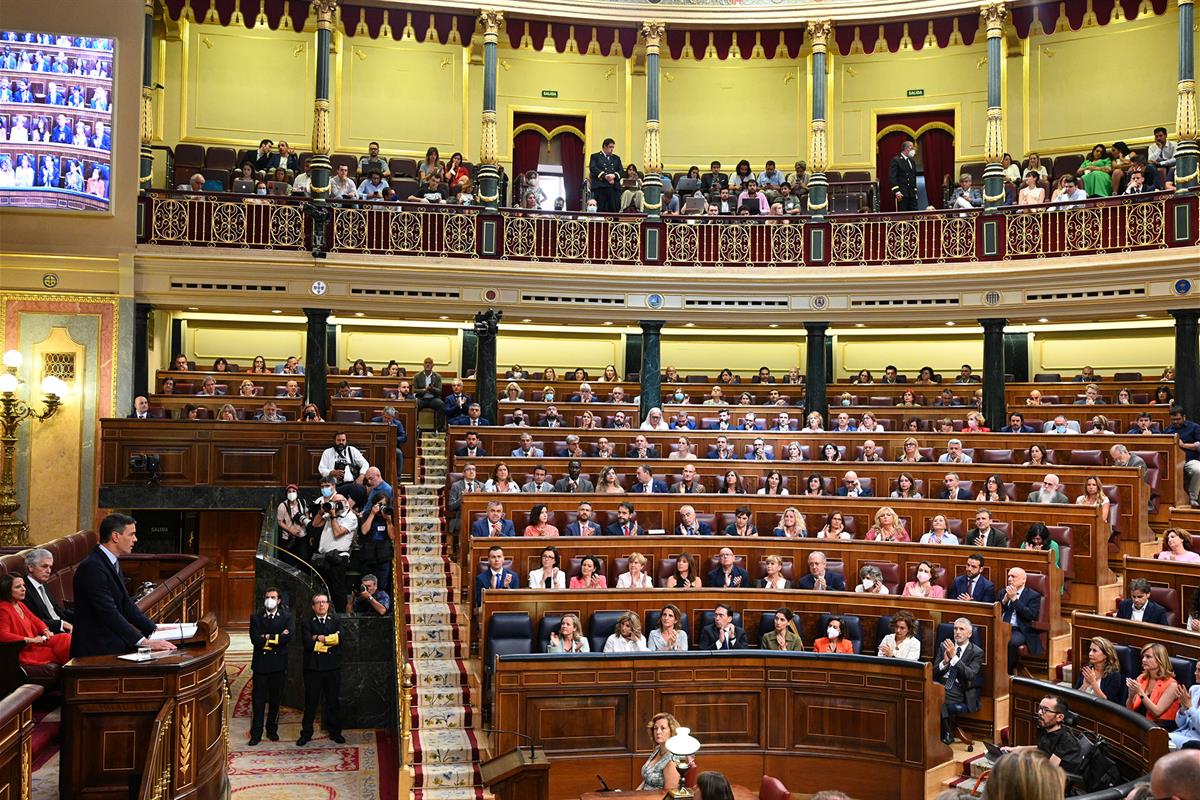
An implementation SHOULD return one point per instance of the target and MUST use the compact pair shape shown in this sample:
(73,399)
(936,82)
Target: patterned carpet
(445,752)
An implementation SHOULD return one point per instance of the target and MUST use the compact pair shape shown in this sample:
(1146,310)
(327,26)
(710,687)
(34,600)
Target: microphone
(603,784)
(532,753)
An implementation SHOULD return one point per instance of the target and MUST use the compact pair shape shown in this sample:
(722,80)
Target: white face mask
(846,402)
(679,396)
(291,496)
(832,632)
(923,576)
(270,603)
(327,491)
(868,583)
(260,191)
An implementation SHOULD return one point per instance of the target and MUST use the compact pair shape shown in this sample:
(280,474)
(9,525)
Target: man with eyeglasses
(1050,492)
(956,670)
(1055,741)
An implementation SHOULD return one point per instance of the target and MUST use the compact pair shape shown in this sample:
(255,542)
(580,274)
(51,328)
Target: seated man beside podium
(107,621)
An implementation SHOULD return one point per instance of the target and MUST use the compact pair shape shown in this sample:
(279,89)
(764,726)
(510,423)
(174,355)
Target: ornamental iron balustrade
(1105,225)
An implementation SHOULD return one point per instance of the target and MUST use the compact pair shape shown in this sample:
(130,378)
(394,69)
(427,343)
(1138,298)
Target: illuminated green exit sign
(916,92)
(549,93)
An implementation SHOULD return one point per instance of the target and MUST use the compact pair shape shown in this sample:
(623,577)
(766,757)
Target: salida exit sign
(913,93)
(550,93)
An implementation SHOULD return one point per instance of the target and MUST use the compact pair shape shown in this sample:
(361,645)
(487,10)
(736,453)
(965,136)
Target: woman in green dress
(1096,170)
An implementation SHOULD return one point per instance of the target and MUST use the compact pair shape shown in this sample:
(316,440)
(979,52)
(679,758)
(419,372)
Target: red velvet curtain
(887,148)
(572,164)
(936,151)
(527,151)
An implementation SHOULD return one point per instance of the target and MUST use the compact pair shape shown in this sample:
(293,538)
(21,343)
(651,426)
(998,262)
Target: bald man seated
(1176,776)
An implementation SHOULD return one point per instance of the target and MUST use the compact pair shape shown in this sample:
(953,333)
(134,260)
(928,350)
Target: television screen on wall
(56,110)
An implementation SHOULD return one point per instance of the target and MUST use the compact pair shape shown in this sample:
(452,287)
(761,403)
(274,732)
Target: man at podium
(107,621)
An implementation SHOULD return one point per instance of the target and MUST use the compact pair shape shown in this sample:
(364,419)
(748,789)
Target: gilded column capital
(150,7)
(1186,2)
(492,21)
(324,9)
(819,31)
(994,14)
(652,34)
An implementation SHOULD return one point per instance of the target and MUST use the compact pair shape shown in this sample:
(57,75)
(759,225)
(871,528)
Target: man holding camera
(370,598)
(337,521)
(343,462)
(377,538)
(270,632)
(293,518)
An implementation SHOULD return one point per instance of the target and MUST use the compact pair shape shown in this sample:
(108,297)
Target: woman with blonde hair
(887,527)
(774,578)
(227,413)
(1101,675)
(627,638)
(636,577)
(1153,692)
(247,389)
(1025,774)
(792,524)
(660,771)
(1093,495)
(569,637)
(513,393)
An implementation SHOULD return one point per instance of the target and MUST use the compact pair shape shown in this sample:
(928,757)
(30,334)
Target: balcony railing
(1105,225)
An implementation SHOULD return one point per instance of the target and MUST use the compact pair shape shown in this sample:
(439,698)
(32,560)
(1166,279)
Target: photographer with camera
(336,518)
(370,599)
(343,462)
(293,519)
(377,536)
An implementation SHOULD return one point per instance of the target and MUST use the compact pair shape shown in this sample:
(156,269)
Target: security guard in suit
(902,175)
(270,632)
(322,643)
(606,171)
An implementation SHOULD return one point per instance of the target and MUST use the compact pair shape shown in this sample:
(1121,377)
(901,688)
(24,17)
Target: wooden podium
(518,775)
(167,717)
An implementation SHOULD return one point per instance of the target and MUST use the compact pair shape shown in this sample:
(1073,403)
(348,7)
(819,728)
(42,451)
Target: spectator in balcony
(1096,171)
(279,182)
(285,157)
(787,203)
(770,180)
(902,175)
(429,192)
(1161,155)
(466,192)
(670,203)
(1034,164)
(605,171)
(965,195)
(690,184)
(714,180)
(195,183)
(1031,193)
(1136,184)
(341,185)
(432,165)
(372,187)
(632,197)
(303,182)
(263,157)
(742,174)
(245,172)
(751,198)
(373,161)
(1012,176)
(1068,193)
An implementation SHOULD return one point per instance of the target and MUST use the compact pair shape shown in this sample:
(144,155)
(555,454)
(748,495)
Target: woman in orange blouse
(19,624)
(1153,692)
(832,641)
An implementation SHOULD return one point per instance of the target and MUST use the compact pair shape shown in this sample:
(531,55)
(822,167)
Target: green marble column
(994,14)
(994,409)
(819,32)
(1187,152)
(816,370)
(316,368)
(489,167)
(652,35)
(487,328)
(651,377)
(1187,360)
(319,167)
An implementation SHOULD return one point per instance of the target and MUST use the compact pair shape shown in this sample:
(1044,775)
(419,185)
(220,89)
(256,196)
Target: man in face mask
(270,632)
(337,521)
(292,517)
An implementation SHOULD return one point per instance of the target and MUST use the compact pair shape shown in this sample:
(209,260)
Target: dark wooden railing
(1103,225)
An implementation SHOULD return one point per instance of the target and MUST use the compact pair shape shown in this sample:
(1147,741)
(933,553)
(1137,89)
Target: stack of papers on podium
(175,631)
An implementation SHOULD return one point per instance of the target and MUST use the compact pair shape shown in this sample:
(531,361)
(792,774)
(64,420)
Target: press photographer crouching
(377,535)
(293,518)
(337,521)
(343,462)
(370,599)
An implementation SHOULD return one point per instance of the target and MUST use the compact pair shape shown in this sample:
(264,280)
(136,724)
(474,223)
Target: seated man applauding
(722,634)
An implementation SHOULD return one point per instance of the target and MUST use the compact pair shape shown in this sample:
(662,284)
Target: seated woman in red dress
(19,624)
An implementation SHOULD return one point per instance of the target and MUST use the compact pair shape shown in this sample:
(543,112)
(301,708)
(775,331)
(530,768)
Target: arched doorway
(552,144)
(933,133)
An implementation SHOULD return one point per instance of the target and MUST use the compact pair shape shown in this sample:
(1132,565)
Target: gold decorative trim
(548,135)
(819,32)
(185,744)
(994,14)
(918,133)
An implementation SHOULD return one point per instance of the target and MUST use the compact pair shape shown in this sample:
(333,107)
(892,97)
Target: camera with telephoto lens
(310,415)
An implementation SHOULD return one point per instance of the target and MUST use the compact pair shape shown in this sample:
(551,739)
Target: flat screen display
(56,110)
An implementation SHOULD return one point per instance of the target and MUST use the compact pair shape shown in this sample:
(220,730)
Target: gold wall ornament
(994,15)
(958,238)
(460,234)
(848,240)
(819,32)
(652,35)
(682,244)
(624,244)
(349,229)
(993,137)
(229,223)
(787,243)
(1144,224)
(734,243)
(520,240)
(146,119)
(1186,123)
(320,135)
(1024,234)
(185,744)
(1084,231)
(324,11)
(902,241)
(287,226)
(651,155)
(572,241)
(818,148)
(487,139)
(170,220)
(405,231)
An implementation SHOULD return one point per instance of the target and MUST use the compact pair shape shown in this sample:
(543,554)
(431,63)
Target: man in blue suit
(107,621)
(820,579)
(1016,424)
(851,487)
(1139,607)
(953,491)
(972,585)
(626,524)
(727,575)
(494,524)
(495,575)
(527,450)
(457,403)
(289,367)
(689,525)
(646,483)
(583,524)
(1020,607)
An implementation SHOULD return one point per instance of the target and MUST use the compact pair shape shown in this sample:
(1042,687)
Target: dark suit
(107,622)
(478,452)
(481,527)
(738,578)
(984,591)
(428,389)
(833,582)
(582,484)
(608,195)
(962,695)
(995,538)
(710,639)
(322,675)
(656,487)
(863,492)
(456,408)
(902,175)
(711,184)
(274,162)
(702,529)
(268,664)
(1024,429)
(34,601)
(959,494)
(651,452)
(574,529)
(454,500)
(486,580)
(617,529)
(1026,608)
(1154,613)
